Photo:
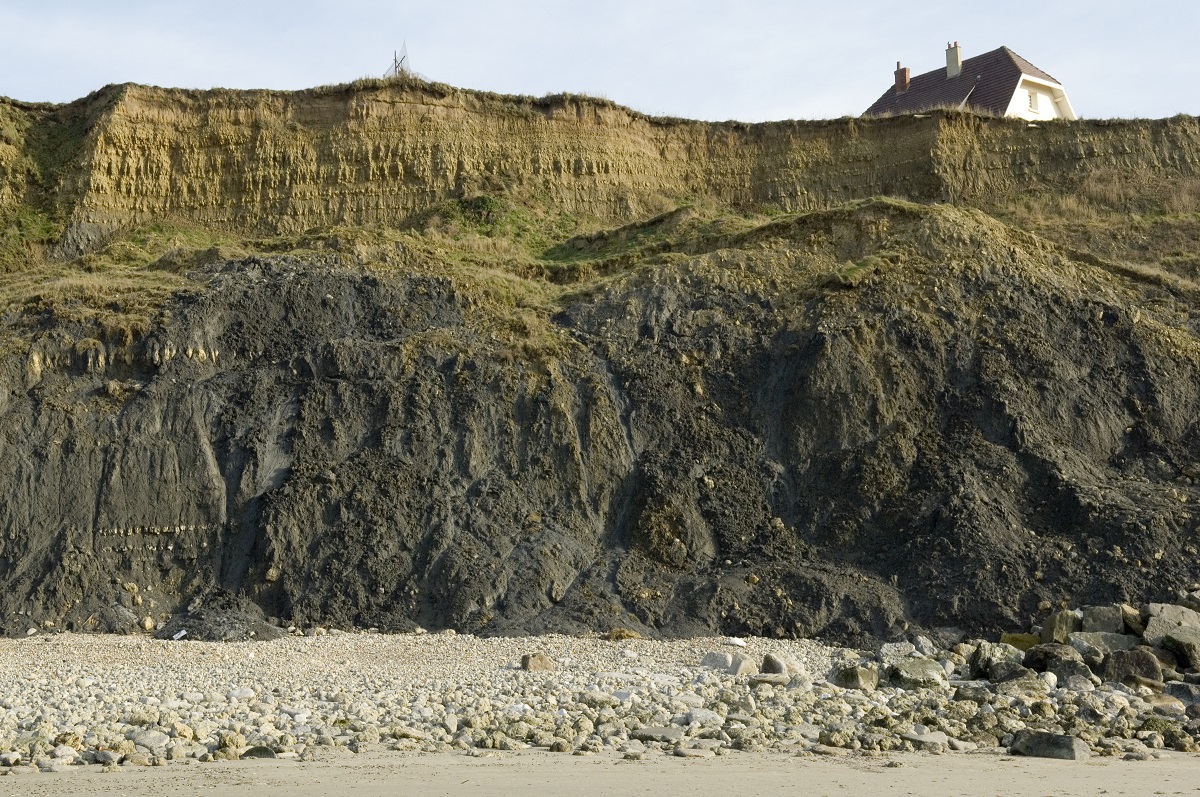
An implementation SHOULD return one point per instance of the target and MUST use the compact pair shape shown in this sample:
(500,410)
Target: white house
(998,82)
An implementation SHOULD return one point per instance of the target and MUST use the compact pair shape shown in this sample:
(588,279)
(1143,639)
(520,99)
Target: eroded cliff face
(977,156)
(839,423)
(785,411)
(343,444)
(286,162)
(276,162)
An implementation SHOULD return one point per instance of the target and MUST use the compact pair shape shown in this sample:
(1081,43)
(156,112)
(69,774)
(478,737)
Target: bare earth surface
(536,773)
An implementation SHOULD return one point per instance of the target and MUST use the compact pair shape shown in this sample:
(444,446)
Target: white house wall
(1052,102)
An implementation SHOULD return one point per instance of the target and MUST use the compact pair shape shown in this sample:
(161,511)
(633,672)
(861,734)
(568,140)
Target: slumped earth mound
(398,354)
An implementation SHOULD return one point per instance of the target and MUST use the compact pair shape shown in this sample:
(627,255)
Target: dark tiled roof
(987,84)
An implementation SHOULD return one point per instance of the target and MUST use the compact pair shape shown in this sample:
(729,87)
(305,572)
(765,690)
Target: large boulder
(924,739)
(1064,661)
(1191,600)
(1162,618)
(1045,657)
(1106,619)
(1189,694)
(1135,667)
(978,692)
(153,740)
(1166,659)
(781,664)
(853,676)
(991,654)
(1059,625)
(1184,642)
(917,673)
(1134,622)
(1094,646)
(1008,670)
(743,665)
(718,660)
(1028,686)
(1041,744)
(1180,615)
(1020,641)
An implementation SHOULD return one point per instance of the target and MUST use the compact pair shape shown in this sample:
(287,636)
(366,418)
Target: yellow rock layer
(285,162)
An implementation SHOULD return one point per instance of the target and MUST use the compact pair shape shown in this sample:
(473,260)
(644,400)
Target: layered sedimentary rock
(284,162)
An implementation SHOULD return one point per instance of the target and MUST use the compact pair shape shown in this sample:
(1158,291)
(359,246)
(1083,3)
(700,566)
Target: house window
(1033,101)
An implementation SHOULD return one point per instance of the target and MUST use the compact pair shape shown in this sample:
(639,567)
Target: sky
(751,60)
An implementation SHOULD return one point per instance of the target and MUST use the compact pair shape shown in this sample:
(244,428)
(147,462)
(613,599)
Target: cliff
(400,353)
(285,162)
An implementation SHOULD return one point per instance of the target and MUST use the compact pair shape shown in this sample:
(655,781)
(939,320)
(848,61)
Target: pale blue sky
(752,60)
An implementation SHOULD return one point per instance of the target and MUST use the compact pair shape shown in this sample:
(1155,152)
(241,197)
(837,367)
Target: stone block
(537,662)
(1189,694)
(1059,625)
(851,676)
(1134,624)
(1041,658)
(1093,646)
(653,733)
(1021,642)
(781,664)
(1180,615)
(1130,666)
(1162,617)
(1008,670)
(1106,619)
(988,654)
(743,665)
(917,673)
(1184,642)
(1041,744)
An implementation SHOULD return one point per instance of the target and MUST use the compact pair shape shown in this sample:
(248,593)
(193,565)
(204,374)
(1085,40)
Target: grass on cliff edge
(517,264)
(1118,215)
(514,262)
(114,293)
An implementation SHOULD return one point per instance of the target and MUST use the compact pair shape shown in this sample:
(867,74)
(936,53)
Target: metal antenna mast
(400,64)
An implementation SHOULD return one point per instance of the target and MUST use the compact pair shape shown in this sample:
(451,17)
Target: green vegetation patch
(112,294)
(38,145)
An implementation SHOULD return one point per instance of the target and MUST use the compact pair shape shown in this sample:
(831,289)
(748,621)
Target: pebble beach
(116,703)
(112,700)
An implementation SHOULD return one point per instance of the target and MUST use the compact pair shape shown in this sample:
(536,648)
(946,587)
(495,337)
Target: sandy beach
(536,773)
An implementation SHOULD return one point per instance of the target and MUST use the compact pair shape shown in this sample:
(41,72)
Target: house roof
(987,81)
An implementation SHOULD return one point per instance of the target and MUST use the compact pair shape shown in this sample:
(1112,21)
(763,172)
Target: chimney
(953,60)
(901,78)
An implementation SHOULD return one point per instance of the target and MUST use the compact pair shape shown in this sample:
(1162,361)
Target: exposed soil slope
(852,420)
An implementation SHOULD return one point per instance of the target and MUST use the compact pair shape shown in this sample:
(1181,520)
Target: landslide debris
(221,616)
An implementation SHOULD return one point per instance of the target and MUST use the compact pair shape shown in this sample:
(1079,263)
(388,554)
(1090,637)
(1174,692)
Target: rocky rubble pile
(69,700)
(1155,647)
